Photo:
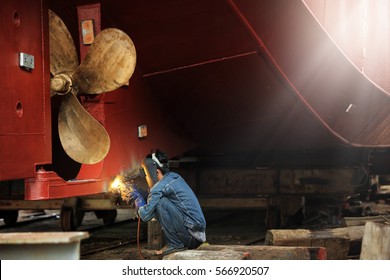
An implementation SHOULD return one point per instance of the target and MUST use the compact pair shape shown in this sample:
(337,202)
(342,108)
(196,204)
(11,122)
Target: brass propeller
(63,55)
(83,138)
(109,64)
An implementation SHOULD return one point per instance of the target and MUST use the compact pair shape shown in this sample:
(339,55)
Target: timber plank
(262,252)
(208,255)
(336,240)
(376,242)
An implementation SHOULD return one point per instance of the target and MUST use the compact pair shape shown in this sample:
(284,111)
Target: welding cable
(138,237)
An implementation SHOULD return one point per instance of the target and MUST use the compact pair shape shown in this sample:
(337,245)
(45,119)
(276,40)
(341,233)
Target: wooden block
(260,252)
(207,255)
(155,235)
(376,242)
(355,239)
(336,240)
(361,221)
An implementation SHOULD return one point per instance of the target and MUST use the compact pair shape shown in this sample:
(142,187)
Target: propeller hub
(61,84)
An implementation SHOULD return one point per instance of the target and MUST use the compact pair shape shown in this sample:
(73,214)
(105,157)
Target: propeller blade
(83,138)
(108,65)
(63,55)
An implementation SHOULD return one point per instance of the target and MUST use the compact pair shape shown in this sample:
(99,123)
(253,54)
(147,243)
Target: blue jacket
(173,187)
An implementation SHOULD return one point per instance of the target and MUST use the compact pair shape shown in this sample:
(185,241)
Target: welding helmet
(151,163)
(150,171)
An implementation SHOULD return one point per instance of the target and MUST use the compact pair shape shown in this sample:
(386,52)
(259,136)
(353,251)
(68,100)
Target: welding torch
(126,190)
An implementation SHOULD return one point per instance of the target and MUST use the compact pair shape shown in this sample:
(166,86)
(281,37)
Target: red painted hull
(235,76)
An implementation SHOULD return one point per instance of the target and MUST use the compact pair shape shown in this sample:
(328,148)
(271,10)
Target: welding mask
(150,171)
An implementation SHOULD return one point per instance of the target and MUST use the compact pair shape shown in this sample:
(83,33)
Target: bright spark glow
(117,183)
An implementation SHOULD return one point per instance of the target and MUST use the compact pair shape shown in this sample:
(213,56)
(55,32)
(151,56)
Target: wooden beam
(207,255)
(87,204)
(155,235)
(261,252)
(361,221)
(376,242)
(337,241)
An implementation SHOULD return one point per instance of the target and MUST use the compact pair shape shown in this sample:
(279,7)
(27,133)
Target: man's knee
(164,205)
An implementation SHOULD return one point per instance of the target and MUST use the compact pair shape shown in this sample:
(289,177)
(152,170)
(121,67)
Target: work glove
(136,200)
(132,195)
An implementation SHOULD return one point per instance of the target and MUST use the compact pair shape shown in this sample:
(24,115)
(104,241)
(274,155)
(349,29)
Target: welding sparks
(117,184)
(121,188)
(118,188)
(123,185)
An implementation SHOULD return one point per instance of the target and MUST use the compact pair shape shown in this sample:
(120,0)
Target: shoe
(169,250)
(173,250)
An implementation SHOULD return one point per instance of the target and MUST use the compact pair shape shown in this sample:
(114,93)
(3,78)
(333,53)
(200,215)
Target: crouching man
(173,203)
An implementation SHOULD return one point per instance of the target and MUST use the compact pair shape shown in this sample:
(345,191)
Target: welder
(172,202)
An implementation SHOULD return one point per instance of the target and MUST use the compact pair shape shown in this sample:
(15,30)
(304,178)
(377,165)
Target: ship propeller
(108,65)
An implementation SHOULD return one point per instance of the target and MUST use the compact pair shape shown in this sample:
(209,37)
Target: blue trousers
(172,223)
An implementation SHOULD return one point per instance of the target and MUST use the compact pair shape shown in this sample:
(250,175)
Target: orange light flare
(120,187)
(117,184)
